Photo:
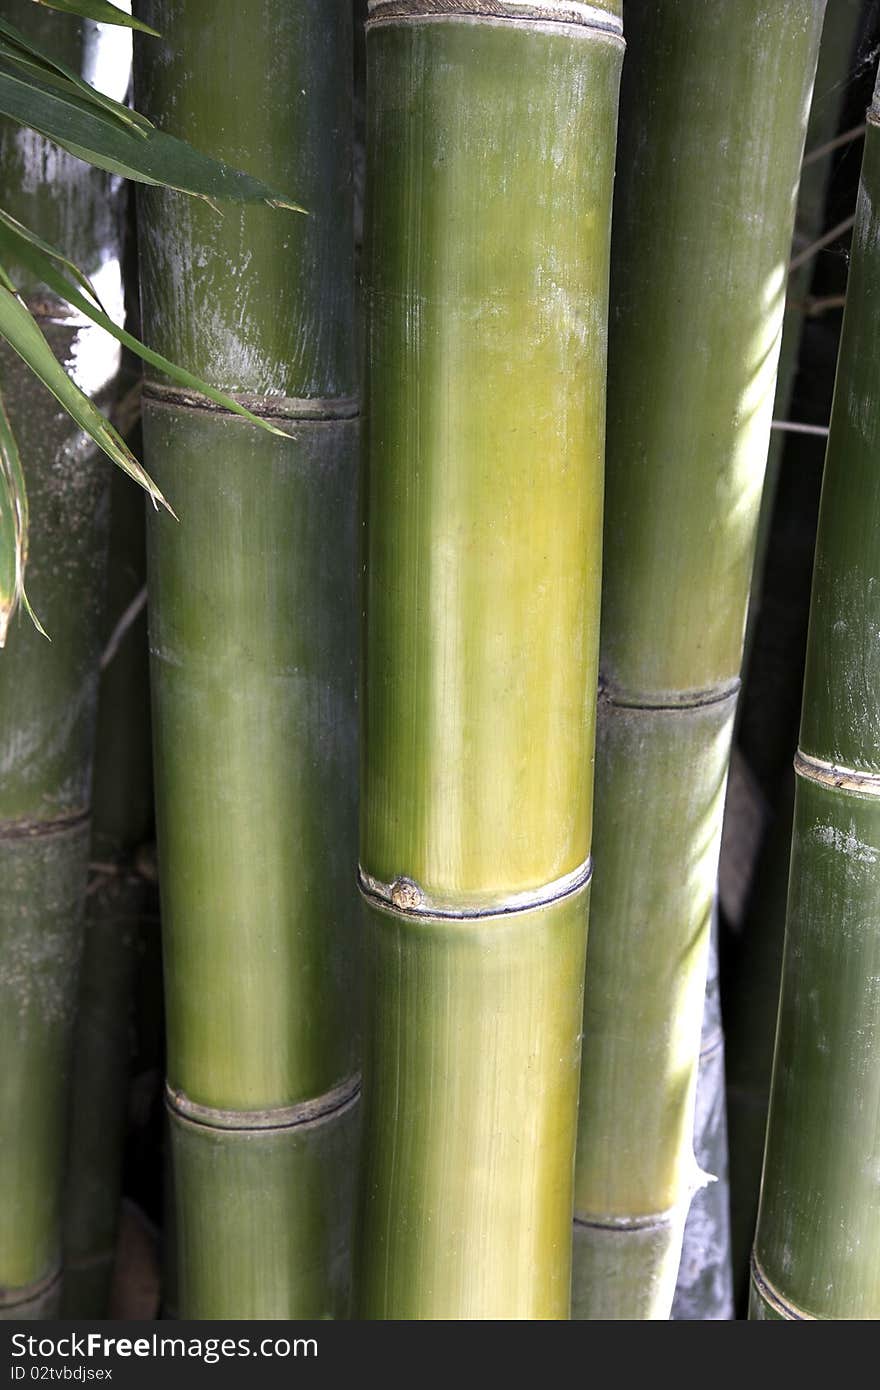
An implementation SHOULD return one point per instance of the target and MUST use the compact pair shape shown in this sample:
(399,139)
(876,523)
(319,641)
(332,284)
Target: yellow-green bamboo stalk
(713,115)
(490,150)
(253,654)
(48,690)
(817,1247)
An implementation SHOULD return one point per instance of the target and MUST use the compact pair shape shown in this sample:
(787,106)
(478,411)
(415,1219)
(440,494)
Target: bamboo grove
(444,337)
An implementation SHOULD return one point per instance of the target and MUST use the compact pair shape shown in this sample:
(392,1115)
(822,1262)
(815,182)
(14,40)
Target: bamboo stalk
(713,115)
(753,995)
(117,898)
(838,37)
(490,148)
(817,1248)
(253,641)
(48,691)
(99,1093)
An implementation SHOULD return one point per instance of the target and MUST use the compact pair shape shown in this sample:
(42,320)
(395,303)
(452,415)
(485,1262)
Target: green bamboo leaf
(13,530)
(21,233)
(16,47)
(101,10)
(22,245)
(21,332)
(147,157)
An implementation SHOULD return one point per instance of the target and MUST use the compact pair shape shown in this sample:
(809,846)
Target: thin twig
(138,603)
(824,240)
(854,133)
(797,427)
(821,305)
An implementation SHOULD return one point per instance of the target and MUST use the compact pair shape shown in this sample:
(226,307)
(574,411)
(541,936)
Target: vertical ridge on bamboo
(48,691)
(490,153)
(817,1247)
(713,114)
(253,654)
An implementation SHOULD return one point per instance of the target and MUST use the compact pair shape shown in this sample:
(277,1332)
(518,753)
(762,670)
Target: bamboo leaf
(13,530)
(22,233)
(23,335)
(100,10)
(18,243)
(149,157)
(16,47)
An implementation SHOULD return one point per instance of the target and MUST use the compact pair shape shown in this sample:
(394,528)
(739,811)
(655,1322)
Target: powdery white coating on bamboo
(845,842)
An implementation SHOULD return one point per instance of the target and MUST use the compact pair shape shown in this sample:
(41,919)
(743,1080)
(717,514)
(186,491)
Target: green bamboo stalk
(713,116)
(99,1093)
(835,55)
(253,643)
(48,691)
(753,998)
(117,898)
(490,146)
(817,1248)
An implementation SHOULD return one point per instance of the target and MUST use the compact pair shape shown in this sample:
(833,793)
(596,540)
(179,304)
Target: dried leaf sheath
(490,152)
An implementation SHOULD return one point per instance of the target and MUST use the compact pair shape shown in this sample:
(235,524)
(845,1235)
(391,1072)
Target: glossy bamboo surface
(817,1248)
(470,1102)
(635,1170)
(490,150)
(713,115)
(486,283)
(253,647)
(701,339)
